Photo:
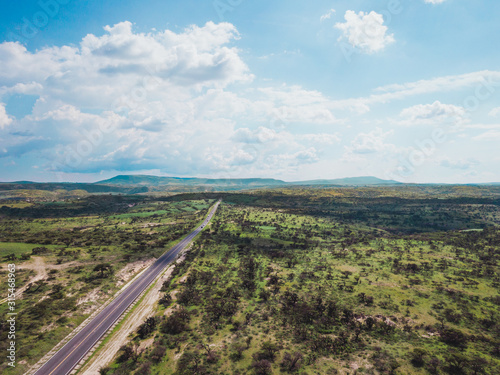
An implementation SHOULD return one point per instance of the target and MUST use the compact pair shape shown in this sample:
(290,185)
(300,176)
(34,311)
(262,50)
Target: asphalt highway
(66,359)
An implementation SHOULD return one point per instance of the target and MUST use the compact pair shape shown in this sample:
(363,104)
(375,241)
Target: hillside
(53,186)
(137,184)
(145,180)
(350,181)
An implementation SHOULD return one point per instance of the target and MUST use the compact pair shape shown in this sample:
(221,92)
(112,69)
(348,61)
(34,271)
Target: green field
(80,248)
(305,281)
(315,295)
(18,248)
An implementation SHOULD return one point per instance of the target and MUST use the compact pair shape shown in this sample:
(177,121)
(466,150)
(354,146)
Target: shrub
(158,353)
(176,323)
(146,328)
(268,351)
(417,357)
(454,337)
(262,367)
(291,362)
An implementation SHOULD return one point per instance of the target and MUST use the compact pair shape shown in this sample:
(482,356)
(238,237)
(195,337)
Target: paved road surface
(73,352)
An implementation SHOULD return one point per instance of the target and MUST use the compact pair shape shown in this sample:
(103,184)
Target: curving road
(65,360)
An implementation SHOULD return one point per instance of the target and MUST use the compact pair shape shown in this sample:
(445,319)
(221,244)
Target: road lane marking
(102,321)
(168,255)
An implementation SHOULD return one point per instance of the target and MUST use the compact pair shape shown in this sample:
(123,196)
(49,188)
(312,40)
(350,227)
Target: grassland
(273,290)
(305,281)
(74,255)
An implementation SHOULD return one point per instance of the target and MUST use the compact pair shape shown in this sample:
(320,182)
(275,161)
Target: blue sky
(400,89)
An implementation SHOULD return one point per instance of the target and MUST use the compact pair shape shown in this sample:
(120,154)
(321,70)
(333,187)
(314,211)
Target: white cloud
(295,159)
(320,138)
(462,164)
(313,114)
(480,84)
(166,96)
(492,135)
(178,112)
(32,88)
(436,112)
(434,1)
(482,126)
(157,91)
(495,112)
(261,135)
(365,31)
(327,15)
(5,119)
(226,160)
(295,104)
(484,81)
(288,53)
(372,142)
(483,84)
(123,63)
(294,95)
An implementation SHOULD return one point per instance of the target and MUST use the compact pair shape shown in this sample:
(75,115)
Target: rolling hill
(134,184)
(350,181)
(145,180)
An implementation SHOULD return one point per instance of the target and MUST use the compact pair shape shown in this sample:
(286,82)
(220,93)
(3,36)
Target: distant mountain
(155,183)
(350,181)
(68,186)
(144,180)
(133,184)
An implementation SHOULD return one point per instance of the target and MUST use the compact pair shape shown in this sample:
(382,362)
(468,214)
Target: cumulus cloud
(229,159)
(434,1)
(436,112)
(365,31)
(320,138)
(166,101)
(372,142)
(261,135)
(32,88)
(5,119)
(123,63)
(295,159)
(150,92)
(295,104)
(160,100)
(199,55)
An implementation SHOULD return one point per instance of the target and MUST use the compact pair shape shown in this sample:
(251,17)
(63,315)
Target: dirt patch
(90,301)
(387,285)
(146,344)
(347,268)
(174,295)
(92,296)
(36,264)
(71,264)
(151,225)
(130,270)
(48,328)
(359,364)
